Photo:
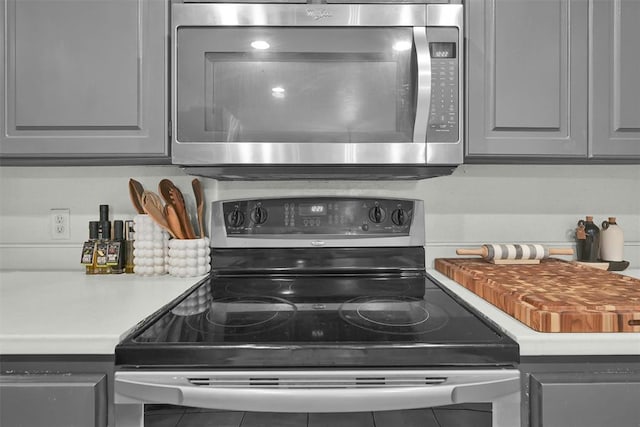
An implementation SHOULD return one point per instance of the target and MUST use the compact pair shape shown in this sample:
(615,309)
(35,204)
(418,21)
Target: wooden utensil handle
(560,251)
(480,251)
(174,222)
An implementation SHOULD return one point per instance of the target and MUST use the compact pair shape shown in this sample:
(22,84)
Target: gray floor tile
(486,407)
(273,419)
(211,419)
(162,420)
(155,409)
(462,418)
(408,418)
(349,419)
(189,409)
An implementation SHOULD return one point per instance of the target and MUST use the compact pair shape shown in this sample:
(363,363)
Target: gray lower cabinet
(83,79)
(584,391)
(584,400)
(56,391)
(53,400)
(553,80)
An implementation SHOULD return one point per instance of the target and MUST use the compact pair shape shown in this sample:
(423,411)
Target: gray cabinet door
(614,90)
(527,78)
(83,79)
(73,400)
(584,400)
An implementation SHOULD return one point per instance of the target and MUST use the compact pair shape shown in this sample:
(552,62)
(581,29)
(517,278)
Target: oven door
(383,394)
(267,84)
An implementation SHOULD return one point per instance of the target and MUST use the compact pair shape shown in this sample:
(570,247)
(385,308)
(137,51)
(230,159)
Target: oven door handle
(423,103)
(361,399)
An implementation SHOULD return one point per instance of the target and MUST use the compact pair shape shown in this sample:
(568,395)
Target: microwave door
(302,85)
(423,101)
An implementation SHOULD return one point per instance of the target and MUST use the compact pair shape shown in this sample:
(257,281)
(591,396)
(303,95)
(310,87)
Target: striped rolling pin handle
(514,251)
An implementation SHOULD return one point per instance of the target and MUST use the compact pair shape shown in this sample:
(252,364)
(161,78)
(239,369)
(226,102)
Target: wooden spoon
(152,205)
(199,194)
(173,221)
(173,196)
(135,193)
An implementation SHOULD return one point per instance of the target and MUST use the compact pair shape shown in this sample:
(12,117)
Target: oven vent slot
(312,382)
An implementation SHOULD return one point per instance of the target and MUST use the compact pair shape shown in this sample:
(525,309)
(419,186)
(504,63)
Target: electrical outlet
(60,224)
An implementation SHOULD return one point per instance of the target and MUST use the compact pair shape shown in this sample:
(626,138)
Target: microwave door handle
(423,104)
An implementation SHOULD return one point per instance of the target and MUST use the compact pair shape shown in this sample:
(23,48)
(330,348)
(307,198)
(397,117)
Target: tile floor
(476,415)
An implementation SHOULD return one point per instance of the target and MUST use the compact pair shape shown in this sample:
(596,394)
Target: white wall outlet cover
(60,224)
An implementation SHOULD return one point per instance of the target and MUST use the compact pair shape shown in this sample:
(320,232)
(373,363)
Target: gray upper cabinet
(614,86)
(527,78)
(84,80)
(553,80)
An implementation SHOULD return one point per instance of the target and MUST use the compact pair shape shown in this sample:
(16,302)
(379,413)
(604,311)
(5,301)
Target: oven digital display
(314,209)
(442,50)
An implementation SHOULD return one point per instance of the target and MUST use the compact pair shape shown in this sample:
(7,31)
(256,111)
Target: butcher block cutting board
(553,296)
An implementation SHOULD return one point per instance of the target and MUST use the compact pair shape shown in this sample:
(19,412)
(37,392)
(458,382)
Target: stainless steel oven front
(317,84)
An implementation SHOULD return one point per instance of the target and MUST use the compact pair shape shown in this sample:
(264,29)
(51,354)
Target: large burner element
(393,315)
(246,315)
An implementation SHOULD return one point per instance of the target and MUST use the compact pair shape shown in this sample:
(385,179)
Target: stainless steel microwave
(272,91)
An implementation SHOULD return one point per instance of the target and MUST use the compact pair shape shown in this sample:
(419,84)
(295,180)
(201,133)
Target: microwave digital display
(442,50)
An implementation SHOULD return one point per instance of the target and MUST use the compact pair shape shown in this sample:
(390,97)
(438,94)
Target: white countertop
(65,312)
(534,343)
(62,312)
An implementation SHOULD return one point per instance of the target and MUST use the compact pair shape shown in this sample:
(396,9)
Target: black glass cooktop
(316,320)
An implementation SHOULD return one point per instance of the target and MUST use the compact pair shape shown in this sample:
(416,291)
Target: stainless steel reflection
(303,15)
(307,153)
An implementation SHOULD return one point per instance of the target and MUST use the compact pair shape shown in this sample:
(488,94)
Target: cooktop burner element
(247,315)
(394,315)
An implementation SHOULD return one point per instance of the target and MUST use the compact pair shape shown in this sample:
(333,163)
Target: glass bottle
(128,246)
(590,249)
(102,249)
(89,248)
(115,248)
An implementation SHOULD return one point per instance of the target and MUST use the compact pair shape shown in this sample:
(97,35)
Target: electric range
(304,291)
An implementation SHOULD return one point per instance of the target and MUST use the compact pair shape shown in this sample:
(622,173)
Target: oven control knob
(399,217)
(259,215)
(377,214)
(235,218)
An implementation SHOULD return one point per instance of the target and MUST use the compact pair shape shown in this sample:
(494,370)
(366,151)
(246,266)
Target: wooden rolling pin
(514,253)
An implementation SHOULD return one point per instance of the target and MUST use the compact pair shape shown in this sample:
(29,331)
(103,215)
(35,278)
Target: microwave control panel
(444,114)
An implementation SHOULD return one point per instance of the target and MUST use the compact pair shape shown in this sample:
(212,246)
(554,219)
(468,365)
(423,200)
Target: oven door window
(285,84)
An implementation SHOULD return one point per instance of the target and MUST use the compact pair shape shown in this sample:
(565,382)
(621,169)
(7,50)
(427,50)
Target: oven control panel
(335,216)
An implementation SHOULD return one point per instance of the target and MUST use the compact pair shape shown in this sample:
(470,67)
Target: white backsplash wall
(477,204)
